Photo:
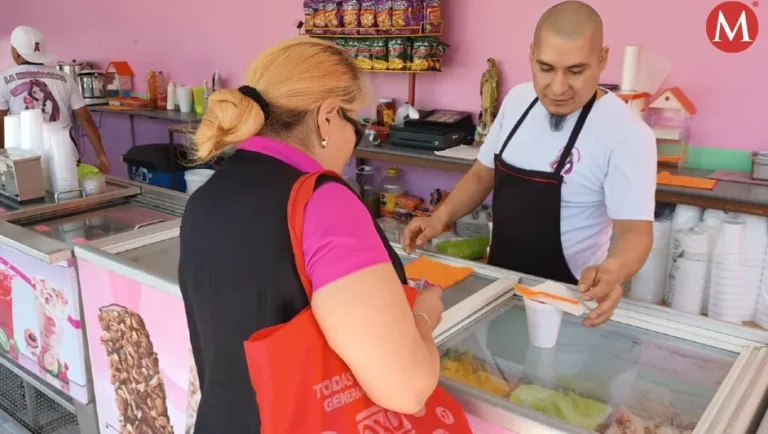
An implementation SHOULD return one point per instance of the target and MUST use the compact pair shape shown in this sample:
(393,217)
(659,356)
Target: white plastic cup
(184,99)
(543,323)
(195,178)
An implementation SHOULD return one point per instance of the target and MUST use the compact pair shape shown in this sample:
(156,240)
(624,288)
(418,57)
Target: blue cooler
(160,165)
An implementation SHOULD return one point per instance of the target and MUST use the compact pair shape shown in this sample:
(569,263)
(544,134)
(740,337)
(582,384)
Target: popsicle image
(135,372)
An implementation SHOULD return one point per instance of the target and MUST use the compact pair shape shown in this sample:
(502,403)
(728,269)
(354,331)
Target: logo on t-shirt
(574,158)
(36,94)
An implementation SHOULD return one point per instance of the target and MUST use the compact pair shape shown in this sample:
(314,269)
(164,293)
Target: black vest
(237,275)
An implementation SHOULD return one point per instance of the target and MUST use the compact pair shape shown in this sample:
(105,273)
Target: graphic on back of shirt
(37,95)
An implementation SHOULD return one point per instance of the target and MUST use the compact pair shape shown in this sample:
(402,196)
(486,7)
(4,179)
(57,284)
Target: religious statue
(489,96)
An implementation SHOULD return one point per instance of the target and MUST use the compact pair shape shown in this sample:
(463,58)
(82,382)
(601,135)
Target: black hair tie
(255,95)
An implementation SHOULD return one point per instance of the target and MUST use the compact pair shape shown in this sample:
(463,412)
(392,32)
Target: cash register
(434,130)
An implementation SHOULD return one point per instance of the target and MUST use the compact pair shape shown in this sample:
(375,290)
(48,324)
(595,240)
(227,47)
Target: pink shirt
(339,237)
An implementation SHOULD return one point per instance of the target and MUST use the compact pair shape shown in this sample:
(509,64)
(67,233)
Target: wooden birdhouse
(669,115)
(122,85)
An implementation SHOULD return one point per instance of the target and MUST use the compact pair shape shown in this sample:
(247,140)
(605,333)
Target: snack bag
(333,18)
(401,16)
(368,17)
(433,17)
(363,56)
(309,15)
(318,20)
(397,55)
(422,50)
(350,12)
(379,54)
(384,16)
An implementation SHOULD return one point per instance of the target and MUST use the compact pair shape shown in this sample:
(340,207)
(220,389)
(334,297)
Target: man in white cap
(33,85)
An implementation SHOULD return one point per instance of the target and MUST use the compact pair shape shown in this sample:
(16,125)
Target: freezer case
(616,379)
(41,327)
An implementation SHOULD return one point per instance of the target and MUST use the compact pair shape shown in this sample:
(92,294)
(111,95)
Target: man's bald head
(571,20)
(567,58)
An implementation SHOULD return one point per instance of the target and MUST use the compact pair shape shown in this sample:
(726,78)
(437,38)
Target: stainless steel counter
(165,115)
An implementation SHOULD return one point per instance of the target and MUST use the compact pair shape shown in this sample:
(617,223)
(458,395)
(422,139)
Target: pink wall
(227,34)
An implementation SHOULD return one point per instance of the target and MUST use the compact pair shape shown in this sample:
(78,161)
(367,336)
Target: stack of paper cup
(12,131)
(32,130)
(49,130)
(732,296)
(712,218)
(648,284)
(543,323)
(688,276)
(63,165)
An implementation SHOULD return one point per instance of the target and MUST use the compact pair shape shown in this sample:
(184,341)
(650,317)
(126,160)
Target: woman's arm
(360,305)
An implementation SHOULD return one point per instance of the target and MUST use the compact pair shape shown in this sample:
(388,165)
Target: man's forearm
(94,137)
(630,249)
(468,194)
(85,119)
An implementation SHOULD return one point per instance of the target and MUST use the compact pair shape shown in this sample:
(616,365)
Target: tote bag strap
(297,203)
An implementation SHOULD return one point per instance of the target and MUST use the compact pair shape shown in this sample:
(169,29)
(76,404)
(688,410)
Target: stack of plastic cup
(63,165)
(735,275)
(543,323)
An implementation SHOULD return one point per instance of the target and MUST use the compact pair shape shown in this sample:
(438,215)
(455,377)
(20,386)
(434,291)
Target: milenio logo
(732,26)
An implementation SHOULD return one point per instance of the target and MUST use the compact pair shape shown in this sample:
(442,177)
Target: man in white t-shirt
(568,164)
(32,85)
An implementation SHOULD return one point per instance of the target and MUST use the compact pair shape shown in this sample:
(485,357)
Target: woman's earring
(324,143)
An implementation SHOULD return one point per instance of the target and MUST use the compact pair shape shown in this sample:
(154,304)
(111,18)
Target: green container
(466,248)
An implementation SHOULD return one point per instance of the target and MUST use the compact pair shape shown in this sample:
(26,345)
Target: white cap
(30,44)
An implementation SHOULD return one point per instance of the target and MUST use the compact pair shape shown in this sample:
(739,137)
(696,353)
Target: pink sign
(127,316)
(41,228)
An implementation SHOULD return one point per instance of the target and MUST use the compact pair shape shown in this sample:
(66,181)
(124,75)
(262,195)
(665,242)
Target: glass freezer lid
(161,258)
(594,379)
(462,290)
(99,223)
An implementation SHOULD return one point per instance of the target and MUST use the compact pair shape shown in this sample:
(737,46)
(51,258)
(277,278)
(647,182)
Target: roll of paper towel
(630,68)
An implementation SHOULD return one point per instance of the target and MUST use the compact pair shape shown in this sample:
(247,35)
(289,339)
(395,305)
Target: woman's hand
(430,303)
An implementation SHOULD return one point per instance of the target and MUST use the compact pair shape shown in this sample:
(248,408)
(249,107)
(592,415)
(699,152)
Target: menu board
(40,322)
(141,358)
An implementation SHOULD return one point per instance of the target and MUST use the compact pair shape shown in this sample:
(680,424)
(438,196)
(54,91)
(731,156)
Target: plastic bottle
(152,90)
(162,91)
(216,82)
(171,105)
(389,191)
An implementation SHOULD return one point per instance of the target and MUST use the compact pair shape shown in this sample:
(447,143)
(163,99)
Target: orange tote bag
(303,387)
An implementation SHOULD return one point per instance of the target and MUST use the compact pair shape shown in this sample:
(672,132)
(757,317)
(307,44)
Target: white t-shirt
(611,174)
(40,87)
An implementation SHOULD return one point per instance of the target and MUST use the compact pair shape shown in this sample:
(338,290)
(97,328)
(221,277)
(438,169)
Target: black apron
(526,212)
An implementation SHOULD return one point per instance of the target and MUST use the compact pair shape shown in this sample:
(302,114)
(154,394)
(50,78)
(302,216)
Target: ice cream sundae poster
(40,320)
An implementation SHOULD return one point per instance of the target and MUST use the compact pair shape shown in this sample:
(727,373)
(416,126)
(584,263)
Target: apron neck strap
(517,125)
(575,134)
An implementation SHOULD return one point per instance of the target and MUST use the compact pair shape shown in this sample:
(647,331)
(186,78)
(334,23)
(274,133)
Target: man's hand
(418,232)
(102,163)
(601,283)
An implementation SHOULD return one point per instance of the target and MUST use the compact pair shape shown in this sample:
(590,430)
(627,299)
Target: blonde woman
(296,114)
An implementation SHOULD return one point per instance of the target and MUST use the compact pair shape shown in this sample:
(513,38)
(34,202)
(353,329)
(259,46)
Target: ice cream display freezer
(42,332)
(611,379)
